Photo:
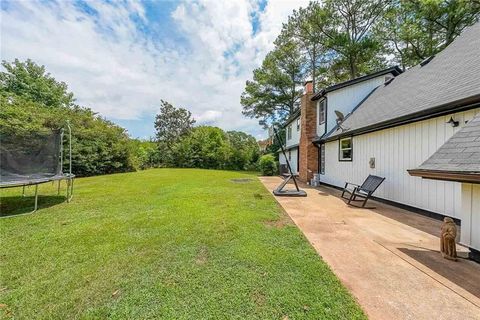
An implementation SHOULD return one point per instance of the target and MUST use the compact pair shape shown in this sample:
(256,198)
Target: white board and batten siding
(292,154)
(295,138)
(345,100)
(395,150)
(470,234)
(291,145)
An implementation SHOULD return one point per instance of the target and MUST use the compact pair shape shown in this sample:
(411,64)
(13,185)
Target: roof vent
(427,60)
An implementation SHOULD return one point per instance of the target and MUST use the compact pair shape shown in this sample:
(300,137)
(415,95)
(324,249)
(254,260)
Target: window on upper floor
(289,132)
(298,124)
(346,149)
(322,111)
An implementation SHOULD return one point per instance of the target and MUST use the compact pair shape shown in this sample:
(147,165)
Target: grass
(163,243)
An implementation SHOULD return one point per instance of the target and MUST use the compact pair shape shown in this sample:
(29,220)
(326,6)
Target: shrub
(32,100)
(268,165)
(212,148)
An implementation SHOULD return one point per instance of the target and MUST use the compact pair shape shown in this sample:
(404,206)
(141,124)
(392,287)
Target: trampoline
(33,159)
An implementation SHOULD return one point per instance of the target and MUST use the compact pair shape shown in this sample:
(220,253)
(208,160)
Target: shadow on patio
(387,257)
(463,273)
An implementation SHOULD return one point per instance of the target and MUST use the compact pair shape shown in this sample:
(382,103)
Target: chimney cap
(307,81)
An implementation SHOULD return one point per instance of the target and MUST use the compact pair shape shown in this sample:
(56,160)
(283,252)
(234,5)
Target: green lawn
(163,243)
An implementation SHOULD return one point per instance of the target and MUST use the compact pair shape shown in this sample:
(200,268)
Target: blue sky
(120,58)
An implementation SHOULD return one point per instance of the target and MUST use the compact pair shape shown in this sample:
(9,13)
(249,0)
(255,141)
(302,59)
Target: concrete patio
(387,257)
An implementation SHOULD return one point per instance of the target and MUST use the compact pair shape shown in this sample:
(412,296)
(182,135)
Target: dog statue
(447,239)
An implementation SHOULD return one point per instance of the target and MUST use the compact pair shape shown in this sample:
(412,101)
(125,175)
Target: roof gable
(393,70)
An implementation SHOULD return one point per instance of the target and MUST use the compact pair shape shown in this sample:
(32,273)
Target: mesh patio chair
(364,192)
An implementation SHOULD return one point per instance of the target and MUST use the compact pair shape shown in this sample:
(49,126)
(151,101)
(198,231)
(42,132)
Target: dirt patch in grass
(202,256)
(282,221)
(259,298)
(241,180)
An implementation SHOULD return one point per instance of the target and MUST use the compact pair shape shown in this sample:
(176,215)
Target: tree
(349,33)
(98,146)
(274,92)
(171,124)
(30,81)
(415,30)
(244,150)
(145,154)
(204,147)
(33,101)
(304,27)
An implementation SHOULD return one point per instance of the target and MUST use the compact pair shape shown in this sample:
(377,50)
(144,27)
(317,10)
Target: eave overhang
(459,176)
(294,116)
(393,70)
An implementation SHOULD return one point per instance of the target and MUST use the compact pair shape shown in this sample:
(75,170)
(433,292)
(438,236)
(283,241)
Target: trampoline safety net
(31,158)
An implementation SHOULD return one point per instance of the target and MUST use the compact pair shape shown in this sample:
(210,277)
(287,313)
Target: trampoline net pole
(36,198)
(69,148)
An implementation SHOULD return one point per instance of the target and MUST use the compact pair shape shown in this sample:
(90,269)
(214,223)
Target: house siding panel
(345,99)
(295,140)
(293,161)
(470,216)
(395,150)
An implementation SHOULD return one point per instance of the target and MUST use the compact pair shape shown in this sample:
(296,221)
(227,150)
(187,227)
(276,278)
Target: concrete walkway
(393,269)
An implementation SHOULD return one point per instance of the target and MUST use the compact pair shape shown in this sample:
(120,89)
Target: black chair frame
(364,192)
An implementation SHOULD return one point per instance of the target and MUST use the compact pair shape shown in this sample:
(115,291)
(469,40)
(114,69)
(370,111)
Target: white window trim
(298,124)
(320,103)
(289,132)
(340,149)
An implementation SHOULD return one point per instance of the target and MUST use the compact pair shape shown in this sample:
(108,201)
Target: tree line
(32,101)
(182,145)
(338,40)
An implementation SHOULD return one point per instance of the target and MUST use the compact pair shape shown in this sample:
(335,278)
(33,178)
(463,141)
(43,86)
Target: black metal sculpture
(279,191)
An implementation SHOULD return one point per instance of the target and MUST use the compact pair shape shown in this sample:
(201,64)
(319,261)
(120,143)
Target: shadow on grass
(17,205)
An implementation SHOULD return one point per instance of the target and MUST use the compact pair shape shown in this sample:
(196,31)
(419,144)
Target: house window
(346,149)
(322,159)
(322,108)
(289,155)
(298,124)
(289,132)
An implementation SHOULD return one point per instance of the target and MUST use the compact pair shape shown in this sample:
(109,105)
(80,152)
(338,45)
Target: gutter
(293,146)
(459,176)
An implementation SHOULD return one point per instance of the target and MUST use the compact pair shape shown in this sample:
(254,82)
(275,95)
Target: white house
(292,132)
(458,159)
(394,122)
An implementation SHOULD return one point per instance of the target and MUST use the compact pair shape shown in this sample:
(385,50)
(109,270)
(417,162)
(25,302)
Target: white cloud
(118,71)
(208,117)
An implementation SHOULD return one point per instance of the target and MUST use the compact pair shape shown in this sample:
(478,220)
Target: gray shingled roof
(452,75)
(461,153)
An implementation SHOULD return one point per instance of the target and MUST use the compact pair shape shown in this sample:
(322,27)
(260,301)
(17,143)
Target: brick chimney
(308,159)
(308,86)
